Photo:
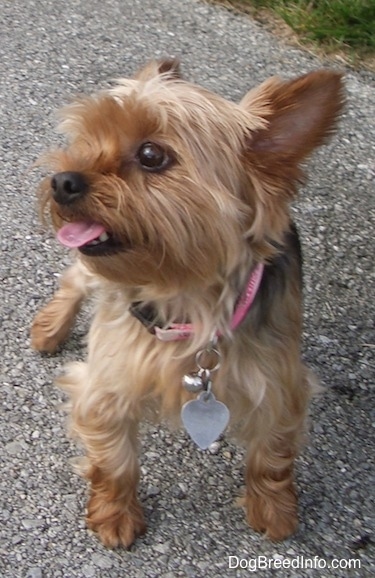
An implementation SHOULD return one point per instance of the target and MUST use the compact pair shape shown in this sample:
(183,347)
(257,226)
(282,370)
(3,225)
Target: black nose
(68,187)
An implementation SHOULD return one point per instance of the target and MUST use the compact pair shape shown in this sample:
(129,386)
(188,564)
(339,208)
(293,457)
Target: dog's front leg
(53,322)
(271,499)
(277,432)
(107,424)
(113,510)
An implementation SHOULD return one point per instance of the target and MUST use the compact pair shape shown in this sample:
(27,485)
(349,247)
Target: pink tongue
(80,233)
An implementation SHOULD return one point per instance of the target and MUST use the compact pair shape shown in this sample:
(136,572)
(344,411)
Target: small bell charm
(193,382)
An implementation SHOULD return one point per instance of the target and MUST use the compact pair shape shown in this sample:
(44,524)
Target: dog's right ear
(169,68)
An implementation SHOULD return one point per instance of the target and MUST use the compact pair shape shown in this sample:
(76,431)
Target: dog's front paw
(51,326)
(45,334)
(116,524)
(273,515)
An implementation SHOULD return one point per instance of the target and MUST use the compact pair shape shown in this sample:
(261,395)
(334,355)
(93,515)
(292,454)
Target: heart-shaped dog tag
(204,419)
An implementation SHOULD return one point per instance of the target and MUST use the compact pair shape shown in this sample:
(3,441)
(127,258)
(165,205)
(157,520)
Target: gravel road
(49,51)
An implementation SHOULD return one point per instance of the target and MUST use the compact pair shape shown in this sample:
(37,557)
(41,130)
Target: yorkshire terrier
(176,201)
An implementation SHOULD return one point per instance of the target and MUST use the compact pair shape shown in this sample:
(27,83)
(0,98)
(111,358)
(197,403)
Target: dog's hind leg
(53,322)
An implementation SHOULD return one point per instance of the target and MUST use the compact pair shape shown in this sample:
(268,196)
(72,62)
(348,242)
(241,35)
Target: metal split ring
(208,351)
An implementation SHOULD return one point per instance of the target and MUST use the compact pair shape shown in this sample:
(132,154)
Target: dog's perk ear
(170,65)
(169,68)
(293,118)
(300,114)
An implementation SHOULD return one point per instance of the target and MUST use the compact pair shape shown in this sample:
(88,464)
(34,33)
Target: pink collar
(180,331)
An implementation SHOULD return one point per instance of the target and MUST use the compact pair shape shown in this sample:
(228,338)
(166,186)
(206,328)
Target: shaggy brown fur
(193,192)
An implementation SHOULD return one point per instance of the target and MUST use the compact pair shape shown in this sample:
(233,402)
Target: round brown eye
(152,157)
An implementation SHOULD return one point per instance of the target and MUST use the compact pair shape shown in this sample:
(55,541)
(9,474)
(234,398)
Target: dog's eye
(152,157)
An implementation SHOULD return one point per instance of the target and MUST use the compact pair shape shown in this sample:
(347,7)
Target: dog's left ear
(287,120)
(297,116)
(169,67)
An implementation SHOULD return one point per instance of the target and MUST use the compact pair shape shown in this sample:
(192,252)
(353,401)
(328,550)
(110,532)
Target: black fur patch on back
(284,269)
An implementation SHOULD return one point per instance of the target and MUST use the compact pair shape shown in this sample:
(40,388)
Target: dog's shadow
(331,477)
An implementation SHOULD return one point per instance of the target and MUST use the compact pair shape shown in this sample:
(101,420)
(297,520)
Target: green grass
(334,24)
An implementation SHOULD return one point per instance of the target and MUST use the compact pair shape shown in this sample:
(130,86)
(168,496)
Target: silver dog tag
(204,419)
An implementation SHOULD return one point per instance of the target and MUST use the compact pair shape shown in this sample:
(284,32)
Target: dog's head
(168,185)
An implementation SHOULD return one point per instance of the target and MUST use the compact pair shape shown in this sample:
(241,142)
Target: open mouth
(89,238)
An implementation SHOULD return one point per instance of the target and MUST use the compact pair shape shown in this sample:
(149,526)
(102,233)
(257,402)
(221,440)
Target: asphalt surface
(49,51)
